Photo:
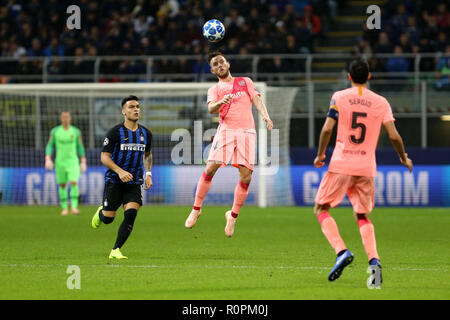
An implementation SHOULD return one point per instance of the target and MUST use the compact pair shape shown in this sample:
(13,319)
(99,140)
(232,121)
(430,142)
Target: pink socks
(203,185)
(240,195)
(331,231)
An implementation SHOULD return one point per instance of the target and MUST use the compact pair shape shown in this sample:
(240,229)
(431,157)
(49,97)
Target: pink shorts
(236,145)
(360,191)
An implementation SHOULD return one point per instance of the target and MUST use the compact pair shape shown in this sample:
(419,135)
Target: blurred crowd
(409,26)
(36,28)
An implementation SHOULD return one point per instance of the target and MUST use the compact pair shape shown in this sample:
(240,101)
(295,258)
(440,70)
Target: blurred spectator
(55,67)
(404,43)
(312,21)
(383,45)
(412,30)
(54,48)
(399,21)
(426,46)
(142,24)
(36,48)
(443,71)
(362,48)
(398,66)
(442,41)
(79,65)
(442,17)
(303,36)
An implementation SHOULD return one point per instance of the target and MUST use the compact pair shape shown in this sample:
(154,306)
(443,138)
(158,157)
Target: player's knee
(211,169)
(319,208)
(62,185)
(362,219)
(246,179)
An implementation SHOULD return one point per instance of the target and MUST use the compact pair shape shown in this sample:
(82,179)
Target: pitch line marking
(202,266)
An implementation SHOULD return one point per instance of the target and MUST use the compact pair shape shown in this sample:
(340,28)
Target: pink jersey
(239,115)
(361,113)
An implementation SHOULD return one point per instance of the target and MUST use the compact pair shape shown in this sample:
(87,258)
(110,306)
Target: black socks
(125,228)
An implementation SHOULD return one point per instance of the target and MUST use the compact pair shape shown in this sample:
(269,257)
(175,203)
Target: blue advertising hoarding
(394,186)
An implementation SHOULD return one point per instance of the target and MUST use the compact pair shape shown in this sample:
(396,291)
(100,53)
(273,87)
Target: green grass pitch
(275,254)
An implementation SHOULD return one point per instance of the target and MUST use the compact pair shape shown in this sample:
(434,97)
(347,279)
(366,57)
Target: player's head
(219,64)
(359,71)
(65,118)
(130,108)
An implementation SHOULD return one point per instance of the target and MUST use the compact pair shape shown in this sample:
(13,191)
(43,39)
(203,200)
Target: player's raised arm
(261,107)
(324,139)
(148,163)
(397,142)
(106,160)
(49,152)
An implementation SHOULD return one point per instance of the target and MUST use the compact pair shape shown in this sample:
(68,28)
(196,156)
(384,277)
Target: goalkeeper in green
(68,143)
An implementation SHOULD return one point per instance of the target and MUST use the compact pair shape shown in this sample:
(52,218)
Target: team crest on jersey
(142,138)
(242,83)
(105,142)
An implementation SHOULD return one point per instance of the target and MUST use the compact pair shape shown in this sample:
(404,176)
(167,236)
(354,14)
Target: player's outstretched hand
(48,164)
(269,124)
(407,162)
(148,182)
(318,161)
(125,176)
(83,167)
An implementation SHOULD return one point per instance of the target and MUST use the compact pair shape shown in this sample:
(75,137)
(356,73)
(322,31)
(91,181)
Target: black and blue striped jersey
(127,151)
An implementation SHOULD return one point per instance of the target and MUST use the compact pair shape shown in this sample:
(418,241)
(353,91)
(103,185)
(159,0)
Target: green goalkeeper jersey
(68,146)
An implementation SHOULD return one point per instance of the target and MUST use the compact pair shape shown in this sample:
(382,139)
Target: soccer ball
(213,30)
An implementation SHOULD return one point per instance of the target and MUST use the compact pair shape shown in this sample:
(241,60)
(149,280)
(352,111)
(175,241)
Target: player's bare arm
(106,160)
(214,106)
(397,142)
(148,163)
(261,107)
(324,139)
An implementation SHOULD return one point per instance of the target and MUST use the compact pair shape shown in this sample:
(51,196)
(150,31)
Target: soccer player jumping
(235,138)
(352,168)
(67,140)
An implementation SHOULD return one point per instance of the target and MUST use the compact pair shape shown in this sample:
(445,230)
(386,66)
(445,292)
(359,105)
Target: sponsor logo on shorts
(105,142)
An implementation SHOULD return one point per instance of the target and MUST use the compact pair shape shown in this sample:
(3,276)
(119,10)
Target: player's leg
(74,196)
(329,227)
(112,200)
(125,228)
(61,180)
(62,190)
(240,195)
(362,196)
(73,175)
(203,185)
(331,191)
(132,201)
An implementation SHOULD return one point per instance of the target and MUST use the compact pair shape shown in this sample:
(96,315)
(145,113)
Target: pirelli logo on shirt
(132,147)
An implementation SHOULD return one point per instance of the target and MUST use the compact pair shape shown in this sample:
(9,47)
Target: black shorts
(117,194)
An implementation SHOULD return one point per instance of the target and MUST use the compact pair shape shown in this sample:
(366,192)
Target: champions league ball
(213,30)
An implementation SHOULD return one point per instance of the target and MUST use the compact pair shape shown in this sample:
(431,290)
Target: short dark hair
(129,98)
(213,54)
(359,70)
